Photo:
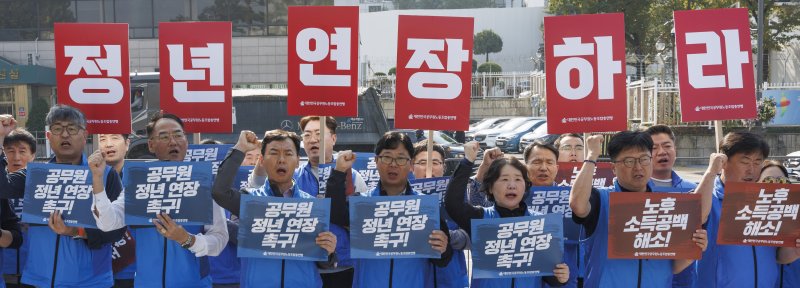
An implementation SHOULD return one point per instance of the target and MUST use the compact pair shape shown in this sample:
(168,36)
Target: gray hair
(66,113)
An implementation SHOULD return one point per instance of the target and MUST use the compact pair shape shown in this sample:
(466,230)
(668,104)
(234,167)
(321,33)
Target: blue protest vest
(790,275)
(402,272)
(225,267)
(604,272)
(156,254)
(77,266)
(533,282)
(455,273)
(688,276)
(734,265)
(310,184)
(263,272)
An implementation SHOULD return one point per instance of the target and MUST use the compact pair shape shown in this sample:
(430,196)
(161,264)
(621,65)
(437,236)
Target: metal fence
(482,85)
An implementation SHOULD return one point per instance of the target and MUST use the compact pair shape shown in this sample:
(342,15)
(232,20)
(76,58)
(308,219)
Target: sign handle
(717,133)
(429,164)
(322,126)
(196,138)
(585,147)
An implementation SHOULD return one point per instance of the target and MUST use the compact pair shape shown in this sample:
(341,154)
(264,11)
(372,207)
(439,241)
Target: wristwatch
(189,242)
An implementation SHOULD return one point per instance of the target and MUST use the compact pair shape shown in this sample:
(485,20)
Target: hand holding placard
(327,241)
(438,241)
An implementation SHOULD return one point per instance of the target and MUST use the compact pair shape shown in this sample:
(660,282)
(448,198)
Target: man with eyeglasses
(167,254)
(307,180)
(66,256)
(393,156)
(631,156)
(741,158)
(570,147)
(455,273)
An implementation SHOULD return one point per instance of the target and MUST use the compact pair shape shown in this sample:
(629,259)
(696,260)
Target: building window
(7,100)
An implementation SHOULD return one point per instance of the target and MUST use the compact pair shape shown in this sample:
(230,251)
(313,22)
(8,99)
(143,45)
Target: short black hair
(392,140)
(557,143)
(629,139)
(493,173)
(330,123)
(743,142)
(661,129)
(528,150)
(158,116)
(209,141)
(20,135)
(61,112)
(422,146)
(280,135)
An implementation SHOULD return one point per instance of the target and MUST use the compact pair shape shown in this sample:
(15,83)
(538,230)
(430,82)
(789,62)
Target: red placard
(195,61)
(586,73)
(434,68)
(760,214)
(92,74)
(323,60)
(653,225)
(715,68)
(568,171)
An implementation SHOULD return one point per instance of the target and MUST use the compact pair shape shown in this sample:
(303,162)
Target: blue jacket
(790,275)
(226,268)
(262,272)
(688,276)
(80,263)
(156,254)
(604,272)
(13,257)
(310,184)
(532,282)
(401,272)
(734,265)
(454,275)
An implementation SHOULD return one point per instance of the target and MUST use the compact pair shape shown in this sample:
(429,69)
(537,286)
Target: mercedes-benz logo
(286,125)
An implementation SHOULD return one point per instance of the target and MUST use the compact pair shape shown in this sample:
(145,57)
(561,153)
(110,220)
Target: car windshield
(513,123)
(527,126)
(486,123)
(441,138)
(540,131)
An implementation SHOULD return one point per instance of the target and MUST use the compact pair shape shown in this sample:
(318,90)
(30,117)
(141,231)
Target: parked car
(487,123)
(486,138)
(509,141)
(538,134)
(455,149)
(793,166)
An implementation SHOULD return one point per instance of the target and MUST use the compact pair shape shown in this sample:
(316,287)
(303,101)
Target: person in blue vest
(740,159)
(664,177)
(114,148)
(455,273)
(279,149)
(505,183)
(167,254)
(19,148)
(774,172)
(393,156)
(631,156)
(16,154)
(66,256)
(307,177)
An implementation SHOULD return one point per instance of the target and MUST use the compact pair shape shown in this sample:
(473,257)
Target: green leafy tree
(392,71)
(38,112)
(490,67)
(487,42)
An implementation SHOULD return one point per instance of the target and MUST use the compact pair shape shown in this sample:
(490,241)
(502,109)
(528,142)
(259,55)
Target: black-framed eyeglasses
(566,148)
(631,161)
(388,160)
(71,129)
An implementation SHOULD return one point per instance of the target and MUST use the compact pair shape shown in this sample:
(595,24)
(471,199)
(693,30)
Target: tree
(487,42)
(490,67)
(38,113)
(392,71)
